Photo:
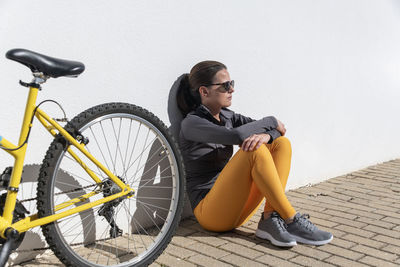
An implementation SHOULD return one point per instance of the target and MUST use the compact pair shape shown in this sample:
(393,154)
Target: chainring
(19,214)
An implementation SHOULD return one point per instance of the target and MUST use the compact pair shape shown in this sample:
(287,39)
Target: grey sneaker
(306,232)
(274,229)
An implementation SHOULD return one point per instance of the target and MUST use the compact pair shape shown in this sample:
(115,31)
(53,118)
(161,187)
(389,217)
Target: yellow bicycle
(111,186)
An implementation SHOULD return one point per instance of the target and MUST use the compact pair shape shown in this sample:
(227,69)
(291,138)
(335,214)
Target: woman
(225,192)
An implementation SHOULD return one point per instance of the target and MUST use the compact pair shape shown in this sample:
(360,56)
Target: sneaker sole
(264,235)
(311,242)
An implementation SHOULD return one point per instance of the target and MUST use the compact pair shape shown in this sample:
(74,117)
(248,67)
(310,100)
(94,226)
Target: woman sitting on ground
(225,192)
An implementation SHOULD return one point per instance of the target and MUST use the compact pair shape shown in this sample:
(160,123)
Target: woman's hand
(281,128)
(255,141)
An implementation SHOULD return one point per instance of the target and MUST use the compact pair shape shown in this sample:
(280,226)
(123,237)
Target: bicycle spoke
(127,145)
(133,148)
(98,146)
(108,147)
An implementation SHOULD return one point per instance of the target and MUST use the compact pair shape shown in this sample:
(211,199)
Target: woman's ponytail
(186,97)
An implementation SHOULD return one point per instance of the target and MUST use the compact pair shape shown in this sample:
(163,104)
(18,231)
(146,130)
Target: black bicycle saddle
(49,66)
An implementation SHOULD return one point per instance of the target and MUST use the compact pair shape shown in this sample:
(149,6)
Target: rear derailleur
(108,208)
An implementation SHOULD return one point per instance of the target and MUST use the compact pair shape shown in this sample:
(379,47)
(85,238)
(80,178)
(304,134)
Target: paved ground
(361,209)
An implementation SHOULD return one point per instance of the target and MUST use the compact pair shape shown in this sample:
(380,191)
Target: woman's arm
(239,119)
(199,129)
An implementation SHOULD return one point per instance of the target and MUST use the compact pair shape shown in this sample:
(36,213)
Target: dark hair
(203,73)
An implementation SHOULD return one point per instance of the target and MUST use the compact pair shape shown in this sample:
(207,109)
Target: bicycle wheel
(135,146)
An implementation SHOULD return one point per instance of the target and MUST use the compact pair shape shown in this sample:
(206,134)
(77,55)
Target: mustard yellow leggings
(246,179)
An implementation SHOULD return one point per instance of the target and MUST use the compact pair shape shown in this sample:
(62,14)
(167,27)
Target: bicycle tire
(58,176)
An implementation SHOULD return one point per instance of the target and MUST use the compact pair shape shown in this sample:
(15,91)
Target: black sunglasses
(226,85)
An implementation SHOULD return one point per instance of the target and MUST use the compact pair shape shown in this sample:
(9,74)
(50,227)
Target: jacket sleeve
(274,133)
(199,129)
(239,119)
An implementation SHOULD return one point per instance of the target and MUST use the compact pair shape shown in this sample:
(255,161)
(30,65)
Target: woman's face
(215,95)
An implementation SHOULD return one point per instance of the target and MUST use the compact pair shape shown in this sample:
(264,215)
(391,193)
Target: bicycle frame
(19,156)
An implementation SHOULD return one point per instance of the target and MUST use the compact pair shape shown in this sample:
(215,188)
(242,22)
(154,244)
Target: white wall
(328,69)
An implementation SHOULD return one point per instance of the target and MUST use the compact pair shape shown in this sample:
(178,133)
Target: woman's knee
(283,143)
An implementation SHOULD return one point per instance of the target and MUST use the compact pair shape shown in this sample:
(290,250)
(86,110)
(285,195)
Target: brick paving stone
(331,187)
(198,228)
(207,261)
(337,260)
(317,206)
(392,220)
(378,262)
(387,239)
(270,249)
(378,223)
(208,250)
(274,261)
(242,231)
(379,206)
(187,222)
(382,231)
(168,260)
(184,231)
(182,241)
(307,261)
(366,214)
(322,223)
(318,192)
(392,249)
(319,214)
(337,233)
(241,250)
(310,251)
(307,206)
(346,253)
(355,206)
(356,231)
(340,214)
(364,241)
(241,261)
(211,240)
(359,195)
(374,252)
(353,188)
(251,226)
(397,228)
(341,221)
(179,252)
(244,241)
(340,242)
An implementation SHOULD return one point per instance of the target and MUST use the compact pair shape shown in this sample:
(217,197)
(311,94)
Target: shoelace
(280,222)
(303,220)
